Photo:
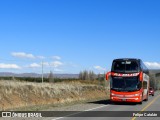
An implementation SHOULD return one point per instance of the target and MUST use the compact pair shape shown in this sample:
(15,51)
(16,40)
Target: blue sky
(73,35)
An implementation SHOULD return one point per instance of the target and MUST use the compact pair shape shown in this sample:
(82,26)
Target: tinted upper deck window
(125,66)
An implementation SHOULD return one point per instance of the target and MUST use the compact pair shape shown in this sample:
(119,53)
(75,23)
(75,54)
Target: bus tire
(146,98)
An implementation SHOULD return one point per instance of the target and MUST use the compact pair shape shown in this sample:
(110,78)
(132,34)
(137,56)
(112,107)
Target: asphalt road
(119,111)
(105,110)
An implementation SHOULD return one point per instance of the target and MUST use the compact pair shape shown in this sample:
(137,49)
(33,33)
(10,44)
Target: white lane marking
(96,108)
(58,118)
(80,112)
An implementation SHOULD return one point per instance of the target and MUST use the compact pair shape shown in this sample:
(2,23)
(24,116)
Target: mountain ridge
(36,75)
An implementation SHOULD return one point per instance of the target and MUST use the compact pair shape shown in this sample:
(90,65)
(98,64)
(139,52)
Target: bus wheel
(146,98)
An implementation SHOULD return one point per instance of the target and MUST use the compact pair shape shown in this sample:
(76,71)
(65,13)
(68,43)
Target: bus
(129,81)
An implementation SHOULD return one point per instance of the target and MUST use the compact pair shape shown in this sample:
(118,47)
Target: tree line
(90,75)
(83,75)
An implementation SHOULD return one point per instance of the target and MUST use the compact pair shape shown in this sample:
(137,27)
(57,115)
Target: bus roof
(134,59)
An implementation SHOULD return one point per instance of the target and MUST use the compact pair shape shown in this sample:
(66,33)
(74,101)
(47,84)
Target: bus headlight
(113,94)
(136,94)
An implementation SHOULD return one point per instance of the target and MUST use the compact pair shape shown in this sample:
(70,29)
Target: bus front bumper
(119,99)
(134,97)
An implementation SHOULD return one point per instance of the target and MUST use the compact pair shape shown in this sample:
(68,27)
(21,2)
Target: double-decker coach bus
(129,81)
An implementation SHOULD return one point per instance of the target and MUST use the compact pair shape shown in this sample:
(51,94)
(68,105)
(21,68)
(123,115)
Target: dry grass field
(15,94)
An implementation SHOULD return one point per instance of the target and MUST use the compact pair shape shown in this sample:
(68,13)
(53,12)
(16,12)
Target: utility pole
(42,72)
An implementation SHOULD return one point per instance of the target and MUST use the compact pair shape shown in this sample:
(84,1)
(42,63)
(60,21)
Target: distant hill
(36,75)
(154,71)
(10,74)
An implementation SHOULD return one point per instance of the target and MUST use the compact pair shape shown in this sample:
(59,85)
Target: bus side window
(144,84)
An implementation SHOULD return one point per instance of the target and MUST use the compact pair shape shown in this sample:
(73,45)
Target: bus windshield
(125,84)
(125,66)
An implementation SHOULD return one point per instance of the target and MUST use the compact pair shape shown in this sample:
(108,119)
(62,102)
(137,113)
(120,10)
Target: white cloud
(34,65)
(56,63)
(9,66)
(26,55)
(22,55)
(41,57)
(99,68)
(56,57)
(152,65)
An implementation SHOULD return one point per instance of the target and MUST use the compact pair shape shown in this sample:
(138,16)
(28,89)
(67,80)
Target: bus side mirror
(141,76)
(108,75)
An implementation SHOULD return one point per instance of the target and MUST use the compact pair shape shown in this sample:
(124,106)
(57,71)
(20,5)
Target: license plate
(123,99)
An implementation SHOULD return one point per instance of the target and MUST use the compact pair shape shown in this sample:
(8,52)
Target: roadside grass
(15,94)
